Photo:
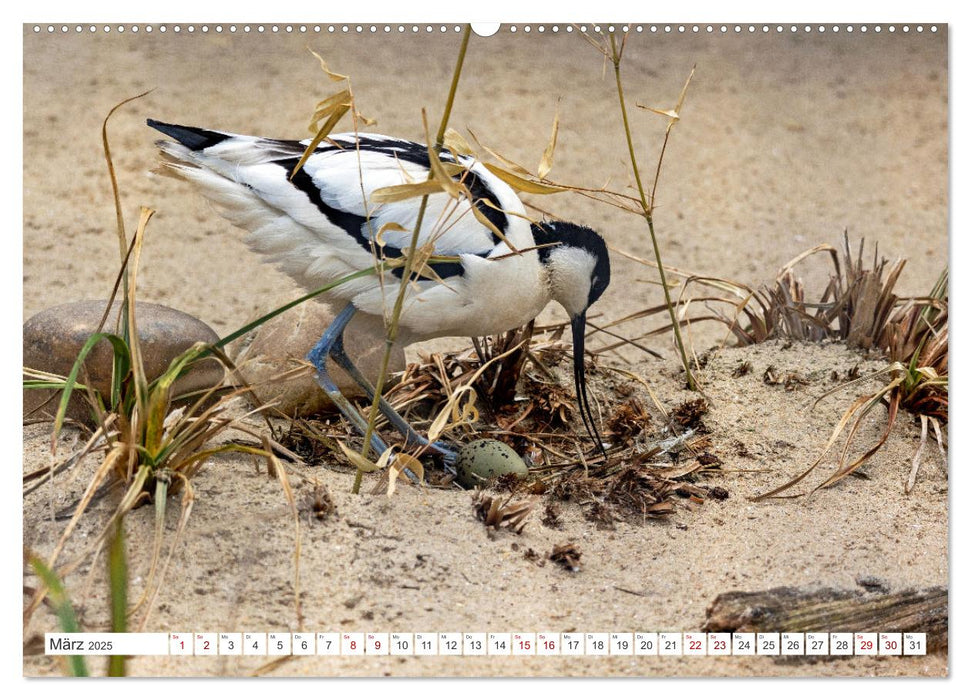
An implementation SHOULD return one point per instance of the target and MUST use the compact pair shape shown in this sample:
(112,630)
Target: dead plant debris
(635,483)
(689,413)
(873,584)
(318,504)
(788,380)
(551,516)
(740,448)
(498,513)
(566,555)
(533,556)
(742,369)
(311,439)
(915,340)
(514,483)
(629,419)
(791,609)
(630,493)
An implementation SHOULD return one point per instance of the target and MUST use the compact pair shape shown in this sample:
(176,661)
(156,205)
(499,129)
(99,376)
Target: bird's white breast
(493,296)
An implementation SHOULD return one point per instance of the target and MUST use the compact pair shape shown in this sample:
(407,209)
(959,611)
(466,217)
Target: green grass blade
(62,608)
(286,307)
(119,347)
(48,384)
(120,368)
(118,586)
(157,398)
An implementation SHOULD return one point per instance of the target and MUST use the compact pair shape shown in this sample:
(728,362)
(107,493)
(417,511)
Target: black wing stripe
(417,153)
(350,222)
(198,139)
(355,225)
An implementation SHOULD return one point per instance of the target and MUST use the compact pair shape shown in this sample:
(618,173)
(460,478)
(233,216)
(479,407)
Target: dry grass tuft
(690,413)
(497,512)
(630,494)
(152,449)
(857,306)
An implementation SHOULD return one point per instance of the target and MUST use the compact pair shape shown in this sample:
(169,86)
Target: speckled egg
(482,460)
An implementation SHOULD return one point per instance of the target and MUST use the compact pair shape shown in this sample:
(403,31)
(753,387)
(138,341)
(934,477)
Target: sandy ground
(785,141)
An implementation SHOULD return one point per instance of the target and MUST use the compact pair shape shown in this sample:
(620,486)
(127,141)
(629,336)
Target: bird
(488,266)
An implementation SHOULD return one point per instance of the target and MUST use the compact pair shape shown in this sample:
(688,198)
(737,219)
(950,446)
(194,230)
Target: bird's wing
(326,214)
(347,178)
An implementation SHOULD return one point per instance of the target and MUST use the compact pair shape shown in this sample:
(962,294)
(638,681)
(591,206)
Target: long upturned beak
(579,324)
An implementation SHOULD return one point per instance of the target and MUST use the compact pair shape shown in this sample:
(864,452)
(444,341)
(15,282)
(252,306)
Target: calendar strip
(487,644)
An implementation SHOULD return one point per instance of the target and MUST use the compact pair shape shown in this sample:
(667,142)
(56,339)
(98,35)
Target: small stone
(281,345)
(873,584)
(53,339)
(482,460)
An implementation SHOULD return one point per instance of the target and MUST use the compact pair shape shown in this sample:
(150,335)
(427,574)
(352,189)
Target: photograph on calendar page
(510,350)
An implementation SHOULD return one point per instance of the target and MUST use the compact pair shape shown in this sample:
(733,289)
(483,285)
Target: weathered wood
(830,610)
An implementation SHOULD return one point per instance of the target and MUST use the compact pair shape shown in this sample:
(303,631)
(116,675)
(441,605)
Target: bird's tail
(193,138)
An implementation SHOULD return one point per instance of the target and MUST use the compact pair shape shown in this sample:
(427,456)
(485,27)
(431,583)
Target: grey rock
(280,346)
(53,339)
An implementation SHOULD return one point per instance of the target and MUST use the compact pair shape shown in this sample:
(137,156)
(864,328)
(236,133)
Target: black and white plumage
(323,225)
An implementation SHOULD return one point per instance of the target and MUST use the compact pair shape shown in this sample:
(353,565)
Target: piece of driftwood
(789,609)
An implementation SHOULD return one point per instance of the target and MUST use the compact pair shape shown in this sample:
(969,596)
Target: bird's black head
(578,267)
(577,260)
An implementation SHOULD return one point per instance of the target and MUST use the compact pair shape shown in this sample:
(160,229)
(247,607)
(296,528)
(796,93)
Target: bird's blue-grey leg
(411,436)
(318,356)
